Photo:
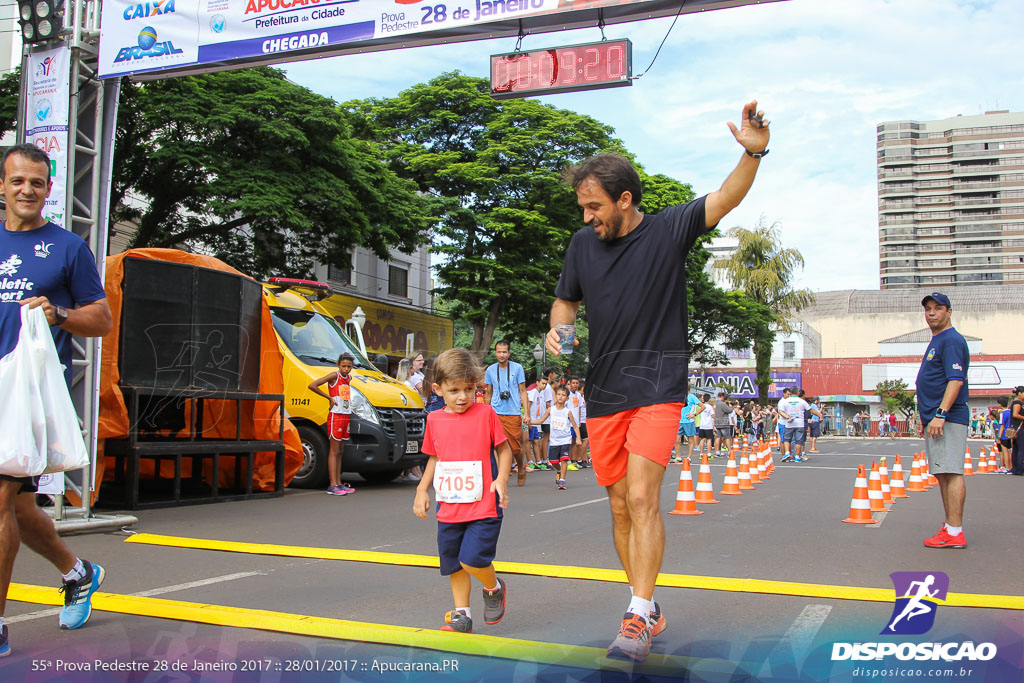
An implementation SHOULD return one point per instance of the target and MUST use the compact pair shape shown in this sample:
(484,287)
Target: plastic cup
(566,335)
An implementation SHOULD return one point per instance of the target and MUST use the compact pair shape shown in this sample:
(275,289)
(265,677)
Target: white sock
(497,585)
(630,591)
(464,610)
(1,623)
(953,530)
(641,607)
(77,572)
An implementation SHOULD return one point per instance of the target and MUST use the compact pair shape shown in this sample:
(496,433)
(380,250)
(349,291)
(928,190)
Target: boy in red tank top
(340,395)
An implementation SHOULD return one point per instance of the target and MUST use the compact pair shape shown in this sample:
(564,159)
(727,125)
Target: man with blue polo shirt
(506,392)
(43,266)
(687,426)
(942,402)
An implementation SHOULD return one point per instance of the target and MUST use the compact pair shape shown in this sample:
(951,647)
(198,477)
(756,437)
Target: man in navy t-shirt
(42,265)
(942,402)
(630,270)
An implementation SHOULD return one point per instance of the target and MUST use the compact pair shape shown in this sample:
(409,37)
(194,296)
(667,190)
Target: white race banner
(46,114)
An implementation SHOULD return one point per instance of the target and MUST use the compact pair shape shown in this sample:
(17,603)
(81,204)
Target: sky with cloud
(826,72)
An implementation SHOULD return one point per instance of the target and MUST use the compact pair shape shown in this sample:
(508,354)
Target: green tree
(763,270)
(493,172)
(10,96)
(255,170)
(896,396)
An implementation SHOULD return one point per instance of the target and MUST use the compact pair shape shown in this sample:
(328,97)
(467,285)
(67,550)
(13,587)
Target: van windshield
(314,338)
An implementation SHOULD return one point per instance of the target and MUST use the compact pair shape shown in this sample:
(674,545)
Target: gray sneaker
(494,603)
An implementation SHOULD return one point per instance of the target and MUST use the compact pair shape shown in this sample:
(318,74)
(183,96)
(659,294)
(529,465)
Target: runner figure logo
(917,596)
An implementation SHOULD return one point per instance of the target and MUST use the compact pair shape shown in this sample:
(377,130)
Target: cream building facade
(859,323)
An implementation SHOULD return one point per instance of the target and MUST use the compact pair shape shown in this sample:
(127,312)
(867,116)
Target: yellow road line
(555,654)
(810,590)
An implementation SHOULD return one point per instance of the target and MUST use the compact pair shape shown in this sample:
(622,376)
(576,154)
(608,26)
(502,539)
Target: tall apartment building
(951,201)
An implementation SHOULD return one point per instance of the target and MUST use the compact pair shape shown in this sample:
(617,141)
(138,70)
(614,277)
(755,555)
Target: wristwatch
(60,315)
(940,413)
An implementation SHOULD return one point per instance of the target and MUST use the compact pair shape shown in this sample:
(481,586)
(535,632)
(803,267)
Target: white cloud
(826,72)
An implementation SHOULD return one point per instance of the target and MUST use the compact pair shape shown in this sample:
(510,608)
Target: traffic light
(41,20)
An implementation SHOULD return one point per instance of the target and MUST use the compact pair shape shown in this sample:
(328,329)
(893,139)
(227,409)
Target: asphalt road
(788,530)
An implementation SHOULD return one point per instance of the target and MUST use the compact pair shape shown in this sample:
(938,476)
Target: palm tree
(764,271)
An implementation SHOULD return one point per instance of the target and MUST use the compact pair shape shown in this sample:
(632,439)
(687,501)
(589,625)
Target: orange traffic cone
(860,506)
(982,461)
(755,474)
(762,463)
(731,486)
(898,488)
(929,479)
(686,503)
(993,461)
(915,483)
(771,463)
(883,473)
(744,474)
(968,466)
(875,497)
(705,493)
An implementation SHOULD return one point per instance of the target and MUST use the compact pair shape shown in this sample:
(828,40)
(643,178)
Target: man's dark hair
(801,393)
(787,390)
(30,152)
(548,370)
(502,342)
(615,175)
(347,356)
(706,397)
(1002,401)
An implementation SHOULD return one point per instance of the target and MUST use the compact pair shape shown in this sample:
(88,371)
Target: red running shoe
(943,539)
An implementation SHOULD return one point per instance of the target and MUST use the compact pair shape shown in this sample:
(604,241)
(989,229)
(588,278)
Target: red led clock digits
(606,64)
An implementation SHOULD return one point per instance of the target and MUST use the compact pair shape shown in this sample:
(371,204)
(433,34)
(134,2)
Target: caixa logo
(148,9)
(917,597)
(148,47)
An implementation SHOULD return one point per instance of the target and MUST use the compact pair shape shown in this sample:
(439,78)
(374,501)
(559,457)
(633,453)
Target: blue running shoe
(5,647)
(78,596)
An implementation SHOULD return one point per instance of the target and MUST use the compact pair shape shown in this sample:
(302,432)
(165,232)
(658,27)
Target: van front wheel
(313,472)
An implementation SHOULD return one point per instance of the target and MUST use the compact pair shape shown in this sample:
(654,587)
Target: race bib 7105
(461,481)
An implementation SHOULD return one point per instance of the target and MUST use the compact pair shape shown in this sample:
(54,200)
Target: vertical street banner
(46,121)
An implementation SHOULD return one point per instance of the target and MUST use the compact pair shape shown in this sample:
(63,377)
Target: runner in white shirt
(579,412)
(792,408)
(706,427)
(538,458)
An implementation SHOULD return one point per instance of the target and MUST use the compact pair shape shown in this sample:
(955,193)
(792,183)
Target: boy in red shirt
(340,395)
(470,484)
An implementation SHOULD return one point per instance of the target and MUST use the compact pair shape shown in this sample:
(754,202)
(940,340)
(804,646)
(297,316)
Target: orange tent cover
(218,416)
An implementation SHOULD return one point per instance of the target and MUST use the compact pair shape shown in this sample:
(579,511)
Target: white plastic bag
(23,443)
(65,447)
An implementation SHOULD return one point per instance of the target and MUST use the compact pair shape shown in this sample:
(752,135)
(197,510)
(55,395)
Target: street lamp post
(358,317)
(538,355)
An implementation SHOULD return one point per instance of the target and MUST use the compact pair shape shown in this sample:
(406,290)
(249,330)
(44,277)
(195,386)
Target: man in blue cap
(942,402)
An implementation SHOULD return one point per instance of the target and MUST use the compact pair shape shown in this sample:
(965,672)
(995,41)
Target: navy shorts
(471,543)
(557,454)
(815,430)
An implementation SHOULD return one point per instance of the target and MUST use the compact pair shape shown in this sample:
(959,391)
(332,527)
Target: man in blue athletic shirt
(43,265)
(942,401)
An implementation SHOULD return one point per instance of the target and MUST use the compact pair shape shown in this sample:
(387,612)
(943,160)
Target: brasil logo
(917,597)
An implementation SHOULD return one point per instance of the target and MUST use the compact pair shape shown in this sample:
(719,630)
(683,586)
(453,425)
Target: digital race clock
(607,64)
